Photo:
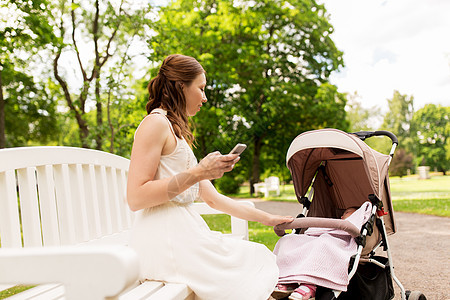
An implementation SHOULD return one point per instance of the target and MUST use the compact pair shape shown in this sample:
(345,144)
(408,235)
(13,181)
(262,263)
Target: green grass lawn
(14,290)
(431,196)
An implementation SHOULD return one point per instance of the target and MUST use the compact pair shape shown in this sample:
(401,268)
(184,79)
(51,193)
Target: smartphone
(238,149)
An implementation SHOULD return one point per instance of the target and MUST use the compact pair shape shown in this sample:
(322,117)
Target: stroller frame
(363,135)
(377,222)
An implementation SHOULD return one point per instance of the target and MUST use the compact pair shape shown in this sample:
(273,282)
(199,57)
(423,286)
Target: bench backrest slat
(61,196)
(92,204)
(63,189)
(47,203)
(9,211)
(122,184)
(103,195)
(113,205)
(79,204)
(116,207)
(29,207)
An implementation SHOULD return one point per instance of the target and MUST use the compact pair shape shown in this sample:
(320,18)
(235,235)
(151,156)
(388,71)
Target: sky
(389,45)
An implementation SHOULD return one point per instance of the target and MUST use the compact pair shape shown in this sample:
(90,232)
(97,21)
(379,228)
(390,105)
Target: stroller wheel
(415,295)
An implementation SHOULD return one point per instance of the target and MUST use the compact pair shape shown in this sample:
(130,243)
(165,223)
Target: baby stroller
(345,172)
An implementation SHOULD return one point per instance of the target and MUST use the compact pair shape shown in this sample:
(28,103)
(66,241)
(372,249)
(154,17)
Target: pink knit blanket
(320,256)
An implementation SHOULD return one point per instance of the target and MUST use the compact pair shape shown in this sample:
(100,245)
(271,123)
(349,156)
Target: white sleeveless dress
(175,244)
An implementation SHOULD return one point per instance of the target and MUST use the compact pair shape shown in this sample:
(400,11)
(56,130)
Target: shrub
(401,162)
(228,184)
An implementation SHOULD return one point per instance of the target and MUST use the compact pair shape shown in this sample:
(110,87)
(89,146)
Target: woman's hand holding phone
(214,165)
(238,149)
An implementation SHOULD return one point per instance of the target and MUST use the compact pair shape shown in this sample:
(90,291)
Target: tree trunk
(84,132)
(96,75)
(257,142)
(110,124)
(2,116)
(79,113)
(254,178)
(99,135)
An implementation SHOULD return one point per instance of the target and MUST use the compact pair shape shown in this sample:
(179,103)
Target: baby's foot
(283,290)
(304,291)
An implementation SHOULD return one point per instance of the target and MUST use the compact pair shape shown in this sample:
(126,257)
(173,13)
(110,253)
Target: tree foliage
(97,36)
(431,131)
(359,117)
(26,108)
(267,64)
(398,118)
(67,78)
(30,111)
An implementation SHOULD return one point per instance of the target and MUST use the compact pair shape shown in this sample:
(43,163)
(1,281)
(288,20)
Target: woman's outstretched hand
(273,220)
(214,165)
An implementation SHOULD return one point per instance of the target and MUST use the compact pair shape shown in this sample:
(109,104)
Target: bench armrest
(239,227)
(87,272)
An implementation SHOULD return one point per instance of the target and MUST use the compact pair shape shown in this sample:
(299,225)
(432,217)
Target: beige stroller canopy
(351,171)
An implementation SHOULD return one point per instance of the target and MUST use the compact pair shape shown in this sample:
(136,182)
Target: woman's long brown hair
(165,91)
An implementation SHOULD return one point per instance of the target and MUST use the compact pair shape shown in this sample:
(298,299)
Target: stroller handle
(367,134)
(318,222)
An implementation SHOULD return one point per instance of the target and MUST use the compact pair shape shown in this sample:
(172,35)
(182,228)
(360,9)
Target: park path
(420,249)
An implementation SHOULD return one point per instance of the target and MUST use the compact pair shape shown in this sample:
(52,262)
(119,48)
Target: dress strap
(159,111)
(164,113)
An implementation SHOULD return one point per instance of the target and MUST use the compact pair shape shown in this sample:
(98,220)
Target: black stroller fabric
(370,282)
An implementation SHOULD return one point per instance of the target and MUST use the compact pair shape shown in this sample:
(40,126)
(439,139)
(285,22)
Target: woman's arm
(223,203)
(153,138)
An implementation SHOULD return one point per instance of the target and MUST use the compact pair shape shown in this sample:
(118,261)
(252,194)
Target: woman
(173,241)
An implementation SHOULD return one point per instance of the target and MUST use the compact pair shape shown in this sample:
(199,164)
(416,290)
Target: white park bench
(64,226)
(270,184)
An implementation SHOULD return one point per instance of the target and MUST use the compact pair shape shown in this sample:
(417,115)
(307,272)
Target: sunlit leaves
(430,129)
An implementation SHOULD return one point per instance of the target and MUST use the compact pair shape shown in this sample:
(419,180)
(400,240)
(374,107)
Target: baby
(303,290)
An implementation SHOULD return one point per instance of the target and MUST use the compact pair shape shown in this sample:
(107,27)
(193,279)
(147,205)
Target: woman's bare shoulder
(153,125)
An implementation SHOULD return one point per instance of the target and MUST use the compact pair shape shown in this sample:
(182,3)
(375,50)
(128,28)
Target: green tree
(31,116)
(98,36)
(267,64)
(431,131)
(123,115)
(398,120)
(359,117)
(326,109)
(26,109)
